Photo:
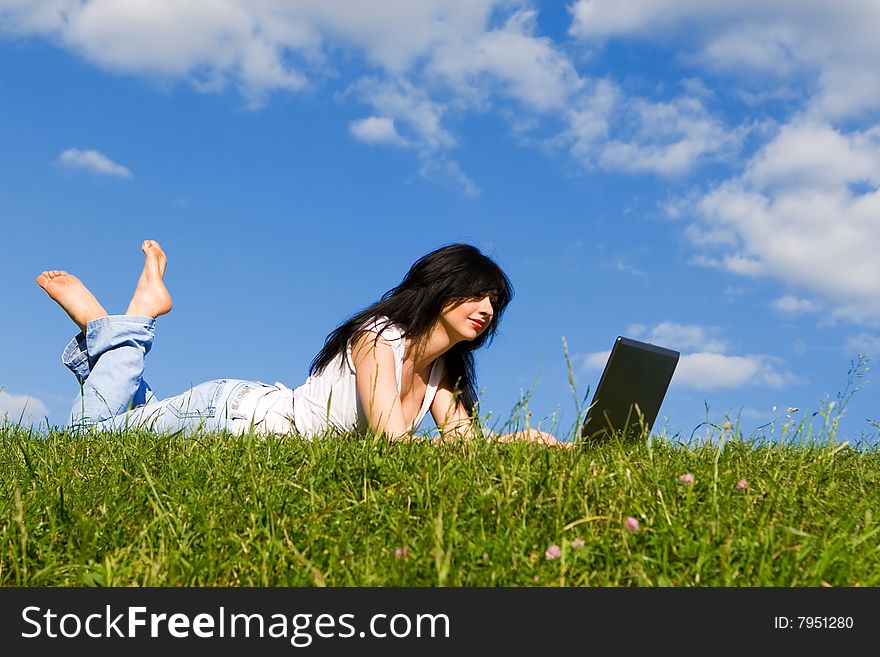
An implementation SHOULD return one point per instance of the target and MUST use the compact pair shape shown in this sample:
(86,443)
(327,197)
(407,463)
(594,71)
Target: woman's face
(467,320)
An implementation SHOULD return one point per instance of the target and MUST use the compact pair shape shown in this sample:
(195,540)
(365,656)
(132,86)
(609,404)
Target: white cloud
(706,371)
(749,413)
(589,120)
(260,46)
(636,330)
(410,106)
(811,154)
(705,235)
(93,161)
(703,363)
(425,60)
(450,171)
(697,88)
(833,45)
(21,407)
(526,66)
(670,138)
(394,34)
(806,210)
(791,305)
(686,336)
(619,264)
(376,130)
(734,263)
(607,129)
(27,16)
(768,50)
(864,343)
(596,360)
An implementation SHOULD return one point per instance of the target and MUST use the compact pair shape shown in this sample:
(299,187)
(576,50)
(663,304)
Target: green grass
(136,508)
(217,509)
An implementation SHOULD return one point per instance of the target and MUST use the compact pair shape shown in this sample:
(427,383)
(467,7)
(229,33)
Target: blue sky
(703,176)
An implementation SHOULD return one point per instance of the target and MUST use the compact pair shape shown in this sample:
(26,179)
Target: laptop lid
(632,387)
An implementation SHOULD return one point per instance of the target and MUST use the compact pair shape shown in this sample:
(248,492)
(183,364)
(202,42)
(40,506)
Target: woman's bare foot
(69,292)
(151,298)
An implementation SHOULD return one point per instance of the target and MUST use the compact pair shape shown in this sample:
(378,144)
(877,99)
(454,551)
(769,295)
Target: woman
(384,369)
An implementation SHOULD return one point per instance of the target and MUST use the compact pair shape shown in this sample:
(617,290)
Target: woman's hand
(534,436)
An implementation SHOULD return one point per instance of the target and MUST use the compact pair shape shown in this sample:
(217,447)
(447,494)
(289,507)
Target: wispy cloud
(706,371)
(21,407)
(704,363)
(426,62)
(803,207)
(93,161)
(512,60)
(667,138)
(683,337)
(863,343)
(619,264)
(805,211)
(758,43)
(376,130)
(610,130)
(791,305)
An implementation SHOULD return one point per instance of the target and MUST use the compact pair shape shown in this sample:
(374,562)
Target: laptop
(630,392)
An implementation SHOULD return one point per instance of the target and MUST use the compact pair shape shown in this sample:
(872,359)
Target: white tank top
(329,399)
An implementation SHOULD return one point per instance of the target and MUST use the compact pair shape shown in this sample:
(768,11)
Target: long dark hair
(448,275)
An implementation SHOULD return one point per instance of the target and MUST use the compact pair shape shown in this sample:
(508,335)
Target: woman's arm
(376,382)
(451,417)
(455,422)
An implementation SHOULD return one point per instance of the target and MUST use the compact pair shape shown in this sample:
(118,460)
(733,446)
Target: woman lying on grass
(383,369)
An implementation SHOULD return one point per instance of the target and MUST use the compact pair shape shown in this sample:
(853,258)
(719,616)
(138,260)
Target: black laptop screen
(631,390)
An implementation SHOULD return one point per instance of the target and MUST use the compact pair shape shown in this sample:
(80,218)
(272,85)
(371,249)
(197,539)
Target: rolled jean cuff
(75,357)
(112,331)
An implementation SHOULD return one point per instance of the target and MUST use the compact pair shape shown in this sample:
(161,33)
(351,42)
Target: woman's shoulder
(384,328)
(374,329)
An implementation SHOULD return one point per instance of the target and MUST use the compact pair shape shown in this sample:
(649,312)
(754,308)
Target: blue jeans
(108,361)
